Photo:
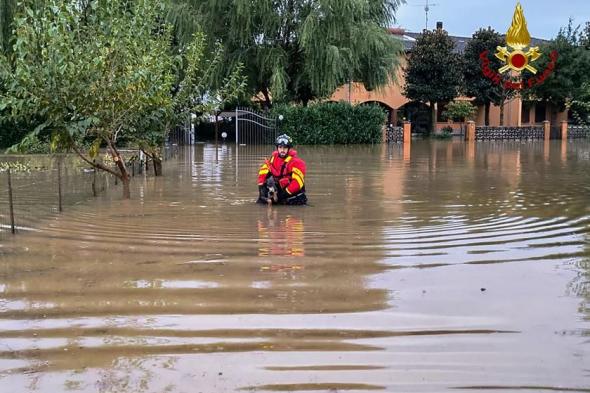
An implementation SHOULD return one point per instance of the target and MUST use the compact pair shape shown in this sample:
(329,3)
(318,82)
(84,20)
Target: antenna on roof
(426,6)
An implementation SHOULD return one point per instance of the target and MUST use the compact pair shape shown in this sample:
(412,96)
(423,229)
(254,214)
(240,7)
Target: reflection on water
(450,266)
(281,235)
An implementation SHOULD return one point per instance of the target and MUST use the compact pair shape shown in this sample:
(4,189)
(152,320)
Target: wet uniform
(288,174)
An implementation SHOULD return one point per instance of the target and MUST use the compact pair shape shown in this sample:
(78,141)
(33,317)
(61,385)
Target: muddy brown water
(447,267)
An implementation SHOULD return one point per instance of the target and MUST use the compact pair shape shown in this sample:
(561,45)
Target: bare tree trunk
(100,166)
(156,160)
(124,173)
(157,165)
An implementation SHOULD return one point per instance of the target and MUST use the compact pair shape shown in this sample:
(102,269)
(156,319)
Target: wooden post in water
(10,203)
(59,159)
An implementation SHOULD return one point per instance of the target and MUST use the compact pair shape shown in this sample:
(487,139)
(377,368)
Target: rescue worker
(281,178)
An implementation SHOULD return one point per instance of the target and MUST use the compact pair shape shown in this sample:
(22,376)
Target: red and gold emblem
(518,38)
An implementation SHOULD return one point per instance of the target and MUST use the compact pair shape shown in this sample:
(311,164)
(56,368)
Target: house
(390,97)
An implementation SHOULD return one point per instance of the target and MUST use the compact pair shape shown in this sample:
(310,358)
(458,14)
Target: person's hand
(284,182)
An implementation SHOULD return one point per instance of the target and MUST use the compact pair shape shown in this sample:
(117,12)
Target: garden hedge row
(332,123)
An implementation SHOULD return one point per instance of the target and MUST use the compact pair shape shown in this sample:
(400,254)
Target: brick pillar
(470,151)
(564,130)
(407,132)
(470,134)
(384,134)
(547,129)
(406,151)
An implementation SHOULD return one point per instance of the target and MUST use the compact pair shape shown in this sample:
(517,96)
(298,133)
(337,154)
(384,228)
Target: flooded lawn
(447,267)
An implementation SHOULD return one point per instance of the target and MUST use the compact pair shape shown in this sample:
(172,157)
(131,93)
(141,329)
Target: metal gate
(255,128)
(182,134)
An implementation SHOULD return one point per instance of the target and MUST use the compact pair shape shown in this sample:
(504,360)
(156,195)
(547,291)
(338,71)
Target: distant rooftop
(409,39)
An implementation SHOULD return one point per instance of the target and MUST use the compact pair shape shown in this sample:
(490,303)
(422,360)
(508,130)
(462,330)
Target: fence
(483,133)
(398,134)
(55,183)
(394,134)
(578,131)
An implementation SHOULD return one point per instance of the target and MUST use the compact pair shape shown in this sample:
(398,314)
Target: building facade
(390,97)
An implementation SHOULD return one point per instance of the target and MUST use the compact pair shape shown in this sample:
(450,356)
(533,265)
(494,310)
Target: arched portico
(418,114)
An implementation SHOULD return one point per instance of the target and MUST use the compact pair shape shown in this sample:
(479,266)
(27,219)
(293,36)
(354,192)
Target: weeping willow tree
(298,50)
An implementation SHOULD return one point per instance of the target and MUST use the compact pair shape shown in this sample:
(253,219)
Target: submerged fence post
(10,203)
(59,159)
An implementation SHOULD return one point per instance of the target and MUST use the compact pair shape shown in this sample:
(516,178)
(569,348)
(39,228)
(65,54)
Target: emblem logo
(517,38)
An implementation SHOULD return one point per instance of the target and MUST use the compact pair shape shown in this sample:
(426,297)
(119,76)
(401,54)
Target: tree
(459,110)
(88,76)
(298,50)
(580,106)
(475,83)
(571,71)
(7,9)
(195,92)
(434,71)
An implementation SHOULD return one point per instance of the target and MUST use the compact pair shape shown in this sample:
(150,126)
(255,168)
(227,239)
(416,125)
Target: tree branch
(94,164)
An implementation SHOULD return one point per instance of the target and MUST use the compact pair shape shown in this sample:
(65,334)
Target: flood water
(447,267)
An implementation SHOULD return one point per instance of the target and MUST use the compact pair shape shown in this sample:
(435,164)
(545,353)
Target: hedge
(332,123)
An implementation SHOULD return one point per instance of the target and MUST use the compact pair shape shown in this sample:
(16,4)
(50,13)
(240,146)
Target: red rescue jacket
(291,167)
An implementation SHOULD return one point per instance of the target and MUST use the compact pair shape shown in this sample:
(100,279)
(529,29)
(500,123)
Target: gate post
(470,134)
(547,129)
(407,132)
(236,126)
(564,130)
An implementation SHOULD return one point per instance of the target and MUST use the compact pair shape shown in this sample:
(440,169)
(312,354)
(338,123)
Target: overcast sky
(464,17)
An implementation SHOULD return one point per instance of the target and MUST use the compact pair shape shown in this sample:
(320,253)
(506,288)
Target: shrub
(332,123)
(459,111)
(446,133)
